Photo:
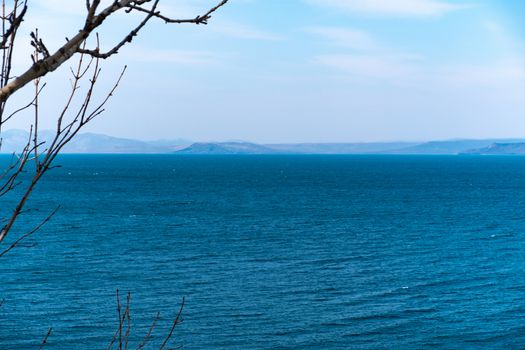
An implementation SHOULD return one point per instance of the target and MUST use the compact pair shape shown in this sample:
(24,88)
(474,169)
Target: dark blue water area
(273,252)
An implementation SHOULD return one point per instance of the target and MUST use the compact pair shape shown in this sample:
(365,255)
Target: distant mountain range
(430,148)
(14,141)
(515,148)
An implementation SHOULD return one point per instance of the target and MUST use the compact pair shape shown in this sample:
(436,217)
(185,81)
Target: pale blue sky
(311,70)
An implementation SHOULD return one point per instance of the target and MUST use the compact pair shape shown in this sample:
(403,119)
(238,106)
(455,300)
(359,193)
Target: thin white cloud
(503,37)
(242,31)
(503,73)
(381,67)
(346,37)
(367,57)
(178,57)
(399,70)
(364,58)
(396,8)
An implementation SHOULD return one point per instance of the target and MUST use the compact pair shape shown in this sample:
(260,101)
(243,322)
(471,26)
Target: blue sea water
(274,252)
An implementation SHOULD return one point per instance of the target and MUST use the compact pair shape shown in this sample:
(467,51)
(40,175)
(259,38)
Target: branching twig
(148,335)
(24,236)
(121,338)
(176,321)
(62,137)
(203,19)
(51,62)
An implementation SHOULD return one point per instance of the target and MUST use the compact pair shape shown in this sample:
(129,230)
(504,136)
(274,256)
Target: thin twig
(44,342)
(174,324)
(24,236)
(150,331)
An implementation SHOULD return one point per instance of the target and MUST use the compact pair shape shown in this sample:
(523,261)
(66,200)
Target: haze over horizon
(22,135)
(309,71)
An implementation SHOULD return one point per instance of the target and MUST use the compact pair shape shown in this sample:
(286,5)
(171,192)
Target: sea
(271,252)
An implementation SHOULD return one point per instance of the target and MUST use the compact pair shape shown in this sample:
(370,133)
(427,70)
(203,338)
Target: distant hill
(173,144)
(14,140)
(515,148)
(96,143)
(225,148)
(340,148)
(449,147)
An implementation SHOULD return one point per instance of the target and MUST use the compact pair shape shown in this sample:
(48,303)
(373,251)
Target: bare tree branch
(176,321)
(127,39)
(35,229)
(92,22)
(62,137)
(197,20)
(121,338)
(148,335)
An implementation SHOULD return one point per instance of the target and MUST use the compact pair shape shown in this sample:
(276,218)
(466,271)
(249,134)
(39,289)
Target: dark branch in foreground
(51,62)
(122,334)
(44,341)
(24,236)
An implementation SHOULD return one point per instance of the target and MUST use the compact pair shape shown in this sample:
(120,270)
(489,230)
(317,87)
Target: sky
(271,71)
